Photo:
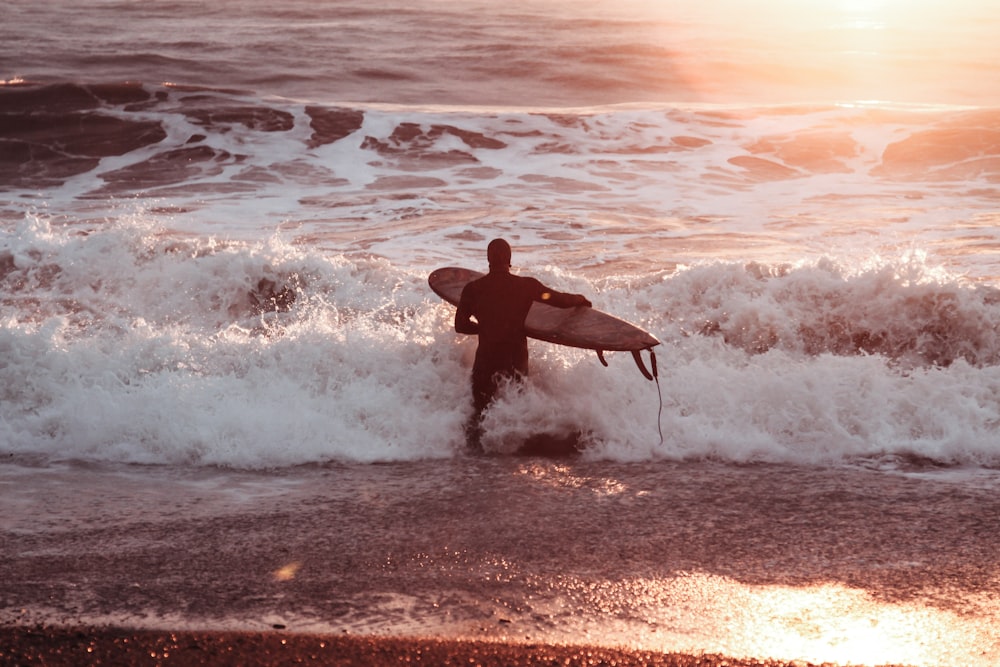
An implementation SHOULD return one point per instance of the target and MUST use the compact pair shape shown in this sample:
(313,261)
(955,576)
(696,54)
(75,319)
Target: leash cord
(659,392)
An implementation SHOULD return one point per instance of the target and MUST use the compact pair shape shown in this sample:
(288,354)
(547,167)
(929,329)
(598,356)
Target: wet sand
(504,561)
(72,647)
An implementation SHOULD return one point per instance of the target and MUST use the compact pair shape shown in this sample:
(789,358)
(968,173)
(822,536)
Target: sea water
(798,200)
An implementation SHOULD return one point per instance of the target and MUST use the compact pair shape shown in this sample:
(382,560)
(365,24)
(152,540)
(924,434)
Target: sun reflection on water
(817,623)
(562,476)
(286,572)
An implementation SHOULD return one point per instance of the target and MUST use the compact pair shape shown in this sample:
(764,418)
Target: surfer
(494,308)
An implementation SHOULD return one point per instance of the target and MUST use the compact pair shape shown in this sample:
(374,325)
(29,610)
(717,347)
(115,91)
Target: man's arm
(464,324)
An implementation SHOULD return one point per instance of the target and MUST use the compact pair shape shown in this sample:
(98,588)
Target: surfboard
(581,327)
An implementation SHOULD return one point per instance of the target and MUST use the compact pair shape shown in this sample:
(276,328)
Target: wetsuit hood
(498,254)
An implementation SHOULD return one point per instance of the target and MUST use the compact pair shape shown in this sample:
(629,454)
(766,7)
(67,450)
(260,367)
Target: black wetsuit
(500,301)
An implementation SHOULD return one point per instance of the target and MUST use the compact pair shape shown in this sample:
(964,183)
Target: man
(499,302)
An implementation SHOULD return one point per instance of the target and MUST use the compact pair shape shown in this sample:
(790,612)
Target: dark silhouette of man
(499,303)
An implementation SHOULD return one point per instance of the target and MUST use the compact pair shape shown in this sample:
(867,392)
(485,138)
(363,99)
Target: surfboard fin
(640,364)
(637,355)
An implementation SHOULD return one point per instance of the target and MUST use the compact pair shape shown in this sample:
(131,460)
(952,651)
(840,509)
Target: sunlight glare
(562,476)
(286,572)
(904,51)
(819,623)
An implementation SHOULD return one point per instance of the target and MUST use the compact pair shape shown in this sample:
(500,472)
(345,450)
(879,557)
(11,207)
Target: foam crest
(132,343)
(900,308)
(159,356)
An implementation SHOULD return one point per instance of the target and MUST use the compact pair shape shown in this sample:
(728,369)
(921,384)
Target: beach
(757,562)
(124,647)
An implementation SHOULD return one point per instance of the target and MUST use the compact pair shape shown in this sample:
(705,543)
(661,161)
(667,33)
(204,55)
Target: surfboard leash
(659,392)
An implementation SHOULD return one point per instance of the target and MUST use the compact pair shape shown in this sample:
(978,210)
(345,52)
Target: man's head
(498,254)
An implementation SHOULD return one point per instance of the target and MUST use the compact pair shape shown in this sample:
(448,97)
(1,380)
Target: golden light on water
(840,624)
(912,51)
(562,476)
(822,623)
(286,572)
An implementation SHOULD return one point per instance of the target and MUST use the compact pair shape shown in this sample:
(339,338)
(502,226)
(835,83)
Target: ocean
(217,225)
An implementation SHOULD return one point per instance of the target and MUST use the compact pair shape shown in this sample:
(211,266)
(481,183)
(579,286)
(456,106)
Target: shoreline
(680,564)
(56,646)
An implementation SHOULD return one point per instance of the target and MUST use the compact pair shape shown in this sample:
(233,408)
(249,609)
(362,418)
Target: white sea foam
(133,344)
(674,183)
